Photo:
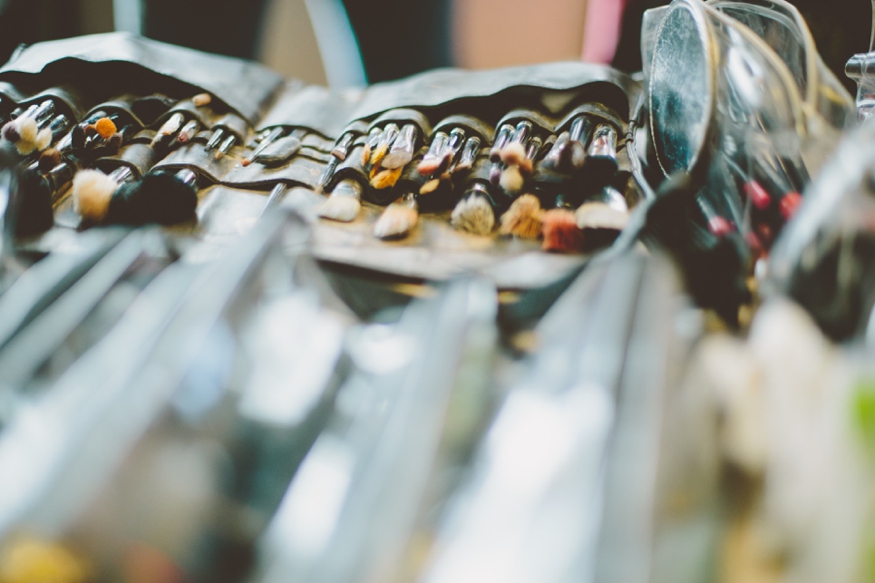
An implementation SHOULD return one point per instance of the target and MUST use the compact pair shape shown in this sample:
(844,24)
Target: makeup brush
(469,155)
(160,197)
(44,112)
(225,146)
(216,138)
(474,213)
(341,149)
(579,136)
(344,202)
(386,178)
(189,131)
(523,218)
(26,135)
(276,196)
(370,144)
(560,230)
(504,135)
(390,132)
(93,190)
(557,159)
(339,153)
(401,152)
(434,157)
(602,151)
(602,217)
(168,130)
(718,225)
(513,177)
(447,161)
(59,126)
(274,134)
(398,218)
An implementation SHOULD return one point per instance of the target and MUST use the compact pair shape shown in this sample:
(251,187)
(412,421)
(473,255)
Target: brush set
(464,326)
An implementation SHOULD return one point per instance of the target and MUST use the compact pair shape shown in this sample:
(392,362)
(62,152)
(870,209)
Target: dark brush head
(157,198)
(33,211)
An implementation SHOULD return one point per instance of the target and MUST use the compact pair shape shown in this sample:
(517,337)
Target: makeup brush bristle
(49,159)
(511,179)
(43,139)
(430,166)
(386,178)
(396,221)
(430,186)
(598,215)
(105,127)
(523,218)
(10,132)
(473,214)
(158,198)
(513,154)
(560,231)
(366,155)
(92,193)
(27,129)
(202,99)
(378,154)
(340,208)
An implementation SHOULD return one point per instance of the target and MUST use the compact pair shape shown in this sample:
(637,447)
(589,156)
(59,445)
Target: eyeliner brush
(274,134)
(168,130)
(338,154)
(188,131)
(215,139)
(225,147)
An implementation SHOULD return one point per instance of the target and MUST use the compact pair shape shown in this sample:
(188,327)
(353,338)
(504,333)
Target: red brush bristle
(561,233)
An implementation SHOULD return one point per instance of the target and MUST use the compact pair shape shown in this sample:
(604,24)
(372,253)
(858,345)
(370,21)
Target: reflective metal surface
(681,88)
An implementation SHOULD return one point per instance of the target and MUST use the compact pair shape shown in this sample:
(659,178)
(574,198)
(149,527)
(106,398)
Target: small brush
(189,131)
(474,213)
(43,113)
(504,134)
(602,151)
(448,159)
(60,126)
(371,143)
(523,218)
(433,158)
(168,130)
(390,132)
(273,135)
(513,155)
(469,155)
(513,177)
(557,158)
(344,203)
(338,154)
(398,219)
(225,146)
(275,198)
(401,152)
(215,139)
(560,230)
(341,149)
(579,136)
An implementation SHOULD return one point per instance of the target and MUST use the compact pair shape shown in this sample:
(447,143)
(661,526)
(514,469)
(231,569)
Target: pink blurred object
(601,31)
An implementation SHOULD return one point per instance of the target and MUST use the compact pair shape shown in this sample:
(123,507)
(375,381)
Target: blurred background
(316,40)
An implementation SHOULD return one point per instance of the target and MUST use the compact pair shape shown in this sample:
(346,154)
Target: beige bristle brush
(344,202)
(386,178)
(524,218)
(603,216)
(514,176)
(398,219)
(93,191)
(435,157)
(474,213)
